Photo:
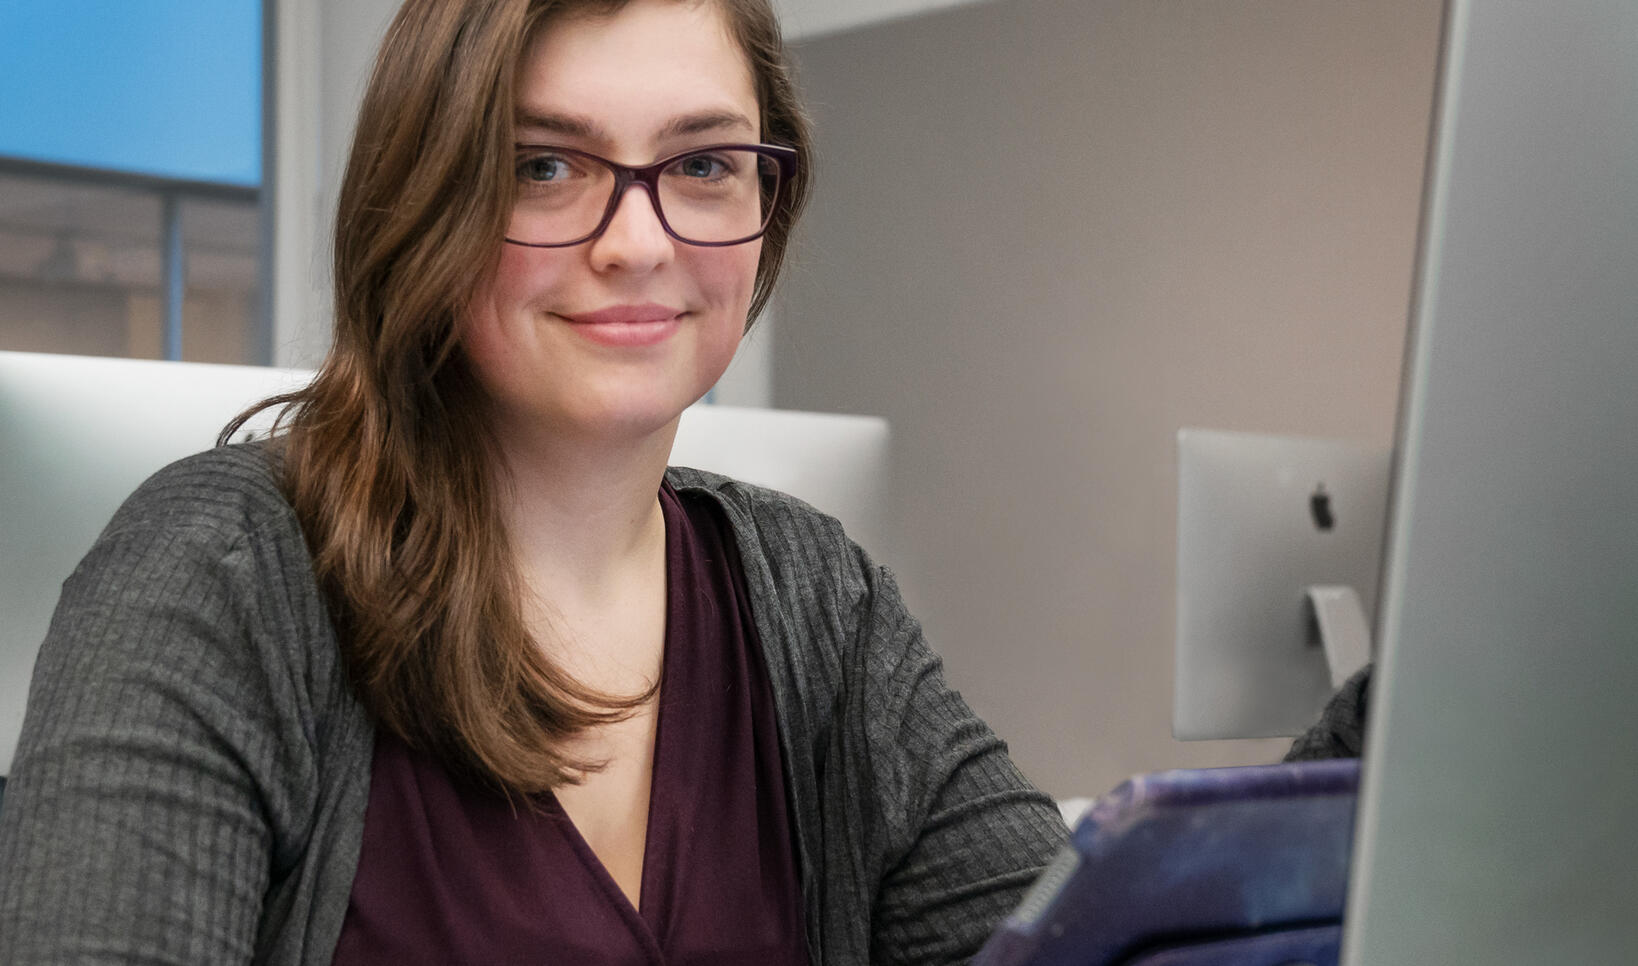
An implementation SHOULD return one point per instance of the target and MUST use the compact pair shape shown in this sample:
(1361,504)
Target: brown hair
(386,456)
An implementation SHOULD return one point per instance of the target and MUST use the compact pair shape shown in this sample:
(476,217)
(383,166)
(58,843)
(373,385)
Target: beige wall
(1047,234)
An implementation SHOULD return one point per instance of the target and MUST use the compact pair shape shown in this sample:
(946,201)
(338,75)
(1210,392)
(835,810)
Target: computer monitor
(1278,554)
(78,434)
(1496,811)
(839,463)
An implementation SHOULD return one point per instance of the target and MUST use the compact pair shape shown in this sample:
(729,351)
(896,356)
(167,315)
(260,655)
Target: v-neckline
(593,862)
(646,894)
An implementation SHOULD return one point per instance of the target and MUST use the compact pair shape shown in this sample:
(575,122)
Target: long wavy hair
(386,456)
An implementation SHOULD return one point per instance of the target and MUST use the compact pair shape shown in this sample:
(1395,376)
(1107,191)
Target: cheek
(501,308)
(481,341)
(489,335)
(521,275)
(730,276)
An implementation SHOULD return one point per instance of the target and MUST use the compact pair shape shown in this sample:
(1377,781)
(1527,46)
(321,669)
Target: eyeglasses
(723,194)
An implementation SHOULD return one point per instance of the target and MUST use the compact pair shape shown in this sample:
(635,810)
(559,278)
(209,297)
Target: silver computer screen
(1495,821)
(77,435)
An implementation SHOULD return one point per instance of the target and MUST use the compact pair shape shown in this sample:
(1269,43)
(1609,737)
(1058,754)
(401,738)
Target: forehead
(634,73)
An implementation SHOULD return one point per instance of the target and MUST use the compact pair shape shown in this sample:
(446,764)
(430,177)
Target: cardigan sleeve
(153,796)
(963,833)
(1340,731)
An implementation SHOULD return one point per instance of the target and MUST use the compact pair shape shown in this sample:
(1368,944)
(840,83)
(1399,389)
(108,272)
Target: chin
(634,417)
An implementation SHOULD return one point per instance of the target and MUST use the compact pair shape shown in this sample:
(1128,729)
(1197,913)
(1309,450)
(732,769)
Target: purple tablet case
(1212,867)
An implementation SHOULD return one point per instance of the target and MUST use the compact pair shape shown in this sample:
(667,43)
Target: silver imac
(78,434)
(1278,554)
(1495,820)
(839,463)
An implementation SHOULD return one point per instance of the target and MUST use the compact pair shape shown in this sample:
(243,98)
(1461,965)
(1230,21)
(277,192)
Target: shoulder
(800,567)
(789,533)
(819,601)
(214,524)
(201,577)
(214,497)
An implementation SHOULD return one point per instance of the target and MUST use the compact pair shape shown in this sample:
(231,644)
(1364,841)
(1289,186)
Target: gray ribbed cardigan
(193,772)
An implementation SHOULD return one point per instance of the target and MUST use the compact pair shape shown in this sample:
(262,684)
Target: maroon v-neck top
(450,873)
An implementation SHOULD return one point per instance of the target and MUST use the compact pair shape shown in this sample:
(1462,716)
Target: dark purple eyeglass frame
(649,177)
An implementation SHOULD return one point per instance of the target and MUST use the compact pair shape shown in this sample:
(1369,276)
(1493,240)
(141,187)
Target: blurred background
(131,179)
(1046,234)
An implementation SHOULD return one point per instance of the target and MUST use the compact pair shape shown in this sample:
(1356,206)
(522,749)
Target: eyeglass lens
(715,196)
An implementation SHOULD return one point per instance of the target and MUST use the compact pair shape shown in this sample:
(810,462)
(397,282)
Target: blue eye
(701,166)
(544,168)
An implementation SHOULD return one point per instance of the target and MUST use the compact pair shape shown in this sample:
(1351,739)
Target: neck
(580,515)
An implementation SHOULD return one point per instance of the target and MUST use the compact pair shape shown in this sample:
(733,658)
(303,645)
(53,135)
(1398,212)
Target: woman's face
(613,338)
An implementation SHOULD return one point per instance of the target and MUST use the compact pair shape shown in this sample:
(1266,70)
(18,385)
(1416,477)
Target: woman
(456,670)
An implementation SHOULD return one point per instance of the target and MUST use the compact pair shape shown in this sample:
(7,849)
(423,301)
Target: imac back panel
(1261,519)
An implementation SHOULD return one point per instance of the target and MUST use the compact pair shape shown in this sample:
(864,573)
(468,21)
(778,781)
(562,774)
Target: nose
(634,239)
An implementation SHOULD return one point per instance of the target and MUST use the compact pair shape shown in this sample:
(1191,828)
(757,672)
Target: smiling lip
(627,325)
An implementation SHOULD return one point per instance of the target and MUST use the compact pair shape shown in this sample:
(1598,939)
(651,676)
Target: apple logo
(1319,505)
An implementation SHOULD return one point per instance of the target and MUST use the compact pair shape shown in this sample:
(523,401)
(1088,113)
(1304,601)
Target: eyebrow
(579,126)
(701,123)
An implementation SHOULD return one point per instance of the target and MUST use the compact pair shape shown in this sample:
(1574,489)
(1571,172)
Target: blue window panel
(161,87)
